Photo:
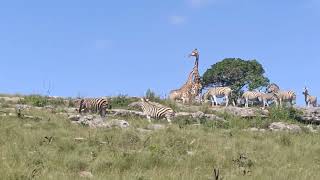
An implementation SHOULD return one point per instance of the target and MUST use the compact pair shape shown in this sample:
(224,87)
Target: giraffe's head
(194,53)
(305,91)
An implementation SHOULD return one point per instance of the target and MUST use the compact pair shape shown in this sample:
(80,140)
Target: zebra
(95,105)
(252,96)
(289,96)
(310,100)
(266,97)
(273,88)
(217,92)
(154,110)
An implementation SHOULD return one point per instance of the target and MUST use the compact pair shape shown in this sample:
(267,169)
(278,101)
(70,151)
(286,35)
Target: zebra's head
(273,88)
(194,53)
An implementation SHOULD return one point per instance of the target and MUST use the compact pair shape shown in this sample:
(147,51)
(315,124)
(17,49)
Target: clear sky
(104,47)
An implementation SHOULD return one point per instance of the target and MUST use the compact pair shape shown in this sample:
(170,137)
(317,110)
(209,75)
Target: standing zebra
(273,88)
(94,105)
(289,96)
(218,92)
(281,95)
(266,97)
(251,96)
(154,110)
(310,100)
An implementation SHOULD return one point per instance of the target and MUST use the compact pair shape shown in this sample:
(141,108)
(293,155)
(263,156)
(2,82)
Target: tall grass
(180,151)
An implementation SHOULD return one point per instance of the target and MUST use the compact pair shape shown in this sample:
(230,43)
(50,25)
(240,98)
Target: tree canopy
(236,73)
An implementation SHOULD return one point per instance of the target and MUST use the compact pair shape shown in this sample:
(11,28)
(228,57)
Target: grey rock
(281,126)
(85,174)
(74,117)
(246,112)
(155,126)
(119,123)
(144,130)
(310,115)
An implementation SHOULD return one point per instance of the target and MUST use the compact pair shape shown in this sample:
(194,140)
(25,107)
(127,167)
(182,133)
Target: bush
(122,101)
(284,113)
(152,96)
(35,100)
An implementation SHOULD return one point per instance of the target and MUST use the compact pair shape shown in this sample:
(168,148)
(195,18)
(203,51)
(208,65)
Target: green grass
(181,151)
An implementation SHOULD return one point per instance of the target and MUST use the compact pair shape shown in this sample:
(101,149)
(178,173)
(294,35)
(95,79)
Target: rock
(85,174)
(118,123)
(310,115)
(155,126)
(79,139)
(281,126)
(190,153)
(124,112)
(74,117)
(198,115)
(245,112)
(144,130)
(254,129)
(70,110)
(27,125)
(311,129)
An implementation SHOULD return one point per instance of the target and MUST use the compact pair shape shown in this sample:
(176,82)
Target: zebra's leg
(103,112)
(227,101)
(247,102)
(168,119)
(215,100)
(212,101)
(149,118)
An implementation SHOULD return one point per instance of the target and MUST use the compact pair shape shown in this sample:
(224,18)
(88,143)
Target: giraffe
(196,86)
(192,86)
(183,93)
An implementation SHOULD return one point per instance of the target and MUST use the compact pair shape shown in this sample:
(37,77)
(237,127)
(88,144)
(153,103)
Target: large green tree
(237,74)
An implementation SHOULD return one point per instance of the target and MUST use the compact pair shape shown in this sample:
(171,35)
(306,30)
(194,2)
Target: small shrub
(152,96)
(76,165)
(284,113)
(121,101)
(35,100)
(285,140)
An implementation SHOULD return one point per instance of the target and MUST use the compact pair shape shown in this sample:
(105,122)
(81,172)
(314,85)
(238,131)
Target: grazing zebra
(310,100)
(94,105)
(251,96)
(154,110)
(289,96)
(217,92)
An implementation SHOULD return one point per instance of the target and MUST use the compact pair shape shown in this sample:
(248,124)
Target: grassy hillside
(46,148)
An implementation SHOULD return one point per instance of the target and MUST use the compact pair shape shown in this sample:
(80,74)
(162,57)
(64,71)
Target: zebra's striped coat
(217,92)
(286,96)
(94,105)
(251,96)
(154,110)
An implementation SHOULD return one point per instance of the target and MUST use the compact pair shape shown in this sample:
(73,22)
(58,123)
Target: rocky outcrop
(97,121)
(281,126)
(310,115)
(243,112)
(199,115)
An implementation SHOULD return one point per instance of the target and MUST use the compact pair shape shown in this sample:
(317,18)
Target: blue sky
(98,48)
